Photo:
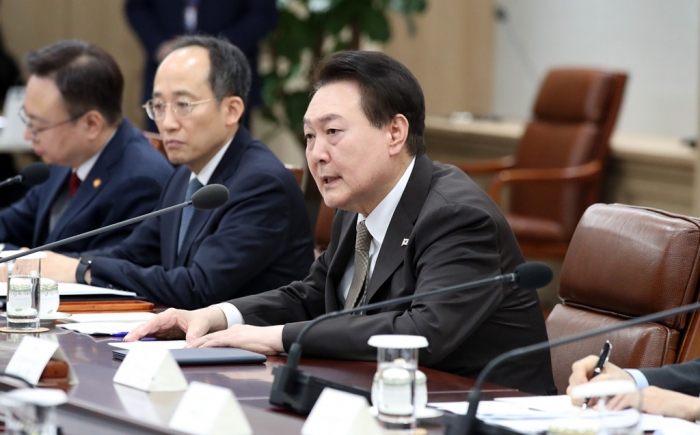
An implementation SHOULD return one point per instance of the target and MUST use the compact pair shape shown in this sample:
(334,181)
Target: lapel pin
(405,242)
(96,183)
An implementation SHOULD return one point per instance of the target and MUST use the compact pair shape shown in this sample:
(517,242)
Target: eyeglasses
(35,131)
(155,109)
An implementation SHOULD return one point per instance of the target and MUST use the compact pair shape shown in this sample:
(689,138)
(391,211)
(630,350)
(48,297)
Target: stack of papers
(114,324)
(537,414)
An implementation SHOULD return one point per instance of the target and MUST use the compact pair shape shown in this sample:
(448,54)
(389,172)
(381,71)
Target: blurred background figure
(243,22)
(9,76)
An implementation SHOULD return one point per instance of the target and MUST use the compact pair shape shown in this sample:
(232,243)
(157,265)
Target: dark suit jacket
(683,377)
(455,234)
(125,182)
(259,239)
(243,22)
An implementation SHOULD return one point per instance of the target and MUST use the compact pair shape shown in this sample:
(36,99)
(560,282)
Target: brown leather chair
(557,170)
(626,262)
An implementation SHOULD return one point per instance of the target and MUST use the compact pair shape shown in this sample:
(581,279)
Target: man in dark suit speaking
(259,239)
(406,225)
(103,170)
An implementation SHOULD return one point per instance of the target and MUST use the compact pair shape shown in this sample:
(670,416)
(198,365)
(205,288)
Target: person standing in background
(243,22)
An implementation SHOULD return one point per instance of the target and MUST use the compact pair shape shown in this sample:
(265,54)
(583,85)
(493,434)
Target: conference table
(96,403)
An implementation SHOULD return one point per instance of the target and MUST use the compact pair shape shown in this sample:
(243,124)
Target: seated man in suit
(671,390)
(103,170)
(260,238)
(405,225)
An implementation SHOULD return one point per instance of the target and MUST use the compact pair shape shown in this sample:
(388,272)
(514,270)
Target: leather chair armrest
(485,166)
(574,174)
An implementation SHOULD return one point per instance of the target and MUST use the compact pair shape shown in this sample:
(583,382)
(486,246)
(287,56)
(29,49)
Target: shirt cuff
(233,316)
(638,376)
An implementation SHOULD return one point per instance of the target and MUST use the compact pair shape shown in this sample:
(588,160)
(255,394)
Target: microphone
(470,425)
(30,175)
(299,391)
(208,197)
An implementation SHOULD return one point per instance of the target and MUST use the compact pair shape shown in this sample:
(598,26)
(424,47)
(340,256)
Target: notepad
(199,356)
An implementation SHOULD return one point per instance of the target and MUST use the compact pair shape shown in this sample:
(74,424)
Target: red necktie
(73,184)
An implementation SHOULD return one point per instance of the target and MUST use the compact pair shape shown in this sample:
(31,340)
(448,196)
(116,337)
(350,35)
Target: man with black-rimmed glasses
(259,239)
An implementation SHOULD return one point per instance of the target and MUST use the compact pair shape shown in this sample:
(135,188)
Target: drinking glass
(31,411)
(395,395)
(24,275)
(49,299)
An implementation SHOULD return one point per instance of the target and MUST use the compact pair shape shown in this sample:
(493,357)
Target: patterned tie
(73,184)
(359,277)
(194,186)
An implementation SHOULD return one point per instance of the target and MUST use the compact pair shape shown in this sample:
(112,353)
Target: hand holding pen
(602,359)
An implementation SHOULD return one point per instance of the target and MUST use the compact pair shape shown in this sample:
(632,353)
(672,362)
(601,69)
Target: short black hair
(86,75)
(229,70)
(387,88)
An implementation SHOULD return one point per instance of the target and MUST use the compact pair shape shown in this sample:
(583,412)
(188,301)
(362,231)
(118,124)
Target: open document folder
(537,414)
(82,291)
(114,324)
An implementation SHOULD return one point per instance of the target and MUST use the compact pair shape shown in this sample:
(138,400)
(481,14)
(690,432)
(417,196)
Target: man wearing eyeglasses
(259,239)
(103,170)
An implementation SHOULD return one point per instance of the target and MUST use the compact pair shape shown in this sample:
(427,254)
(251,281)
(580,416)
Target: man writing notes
(103,170)
(406,225)
(260,238)
(671,390)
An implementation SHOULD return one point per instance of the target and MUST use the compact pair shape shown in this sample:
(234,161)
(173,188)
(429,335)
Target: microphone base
(456,425)
(299,391)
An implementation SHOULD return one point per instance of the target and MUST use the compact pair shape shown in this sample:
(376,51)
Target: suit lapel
(392,252)
(223,172)
(340,259)
(170,223)
(98,176)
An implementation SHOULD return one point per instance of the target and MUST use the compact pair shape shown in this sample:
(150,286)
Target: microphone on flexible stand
(30,175)
(206,198)
(299,391)
(470,425)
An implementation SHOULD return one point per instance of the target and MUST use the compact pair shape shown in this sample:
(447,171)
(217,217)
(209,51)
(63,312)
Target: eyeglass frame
(190,105)
(22,113)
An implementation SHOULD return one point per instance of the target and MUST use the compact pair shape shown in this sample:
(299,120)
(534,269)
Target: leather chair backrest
(625,262)
(573,117)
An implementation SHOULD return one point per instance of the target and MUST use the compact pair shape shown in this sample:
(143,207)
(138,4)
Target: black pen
(602,359)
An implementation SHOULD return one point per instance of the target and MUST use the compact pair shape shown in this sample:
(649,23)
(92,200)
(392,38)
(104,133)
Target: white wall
(655,41)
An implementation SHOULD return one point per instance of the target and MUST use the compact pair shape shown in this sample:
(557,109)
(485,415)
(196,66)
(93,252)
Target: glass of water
(396,396)
(23,292)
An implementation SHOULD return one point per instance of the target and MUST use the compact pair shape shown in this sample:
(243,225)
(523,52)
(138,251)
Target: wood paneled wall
(31,24)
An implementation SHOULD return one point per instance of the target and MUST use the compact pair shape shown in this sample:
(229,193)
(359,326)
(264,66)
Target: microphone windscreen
(34,174)
(210,196)
(533,275)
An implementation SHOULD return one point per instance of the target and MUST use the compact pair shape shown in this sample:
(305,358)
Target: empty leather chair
(557,169)
(626,262)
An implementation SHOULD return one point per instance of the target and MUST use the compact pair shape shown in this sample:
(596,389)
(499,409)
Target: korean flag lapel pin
(404,242)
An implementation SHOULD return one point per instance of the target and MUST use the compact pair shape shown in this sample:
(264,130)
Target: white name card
(340,413)
(151,369)
(30,359)
(208,410)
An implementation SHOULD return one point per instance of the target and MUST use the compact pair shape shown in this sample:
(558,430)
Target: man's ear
(233,107)
(93,123)
(398,134)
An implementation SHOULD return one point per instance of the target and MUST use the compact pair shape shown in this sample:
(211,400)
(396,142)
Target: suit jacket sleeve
(17,221)
(683,377)
(244,242)
(443,251)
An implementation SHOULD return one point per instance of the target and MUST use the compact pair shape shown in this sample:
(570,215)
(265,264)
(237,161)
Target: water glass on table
(23,292)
